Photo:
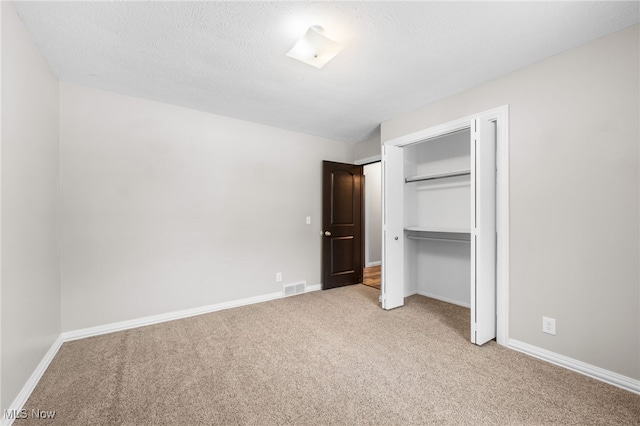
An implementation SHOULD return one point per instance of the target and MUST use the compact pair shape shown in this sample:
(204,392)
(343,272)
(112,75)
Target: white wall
(443,270)
(373,214)
(367,151)
(574,196)
(166,208)
(30,286)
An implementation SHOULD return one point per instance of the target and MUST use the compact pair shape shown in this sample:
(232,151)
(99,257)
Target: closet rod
(412,237)
(438,176)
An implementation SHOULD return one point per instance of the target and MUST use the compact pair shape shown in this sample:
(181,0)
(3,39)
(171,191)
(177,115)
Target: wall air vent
(293,289)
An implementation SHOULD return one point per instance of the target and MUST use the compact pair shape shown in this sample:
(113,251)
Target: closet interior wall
(438,218)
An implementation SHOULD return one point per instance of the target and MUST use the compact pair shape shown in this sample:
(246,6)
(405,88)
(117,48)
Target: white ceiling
(228,58)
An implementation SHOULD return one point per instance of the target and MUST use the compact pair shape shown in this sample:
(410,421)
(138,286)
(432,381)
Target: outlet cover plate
(549,325)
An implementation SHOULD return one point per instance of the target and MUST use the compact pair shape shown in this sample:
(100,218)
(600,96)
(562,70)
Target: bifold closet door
(392,289)
(483,231)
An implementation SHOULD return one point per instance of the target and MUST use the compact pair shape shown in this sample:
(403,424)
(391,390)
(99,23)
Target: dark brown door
(341,224)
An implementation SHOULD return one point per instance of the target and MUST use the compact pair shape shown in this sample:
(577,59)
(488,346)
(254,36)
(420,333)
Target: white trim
(175,315)
(615,379)
(444,299)
(35,377)
(315,287)
(1,44)
(502,226)
(501,115)
(410,293)
(433,132)
(169,316)
(376,263)
(368,160)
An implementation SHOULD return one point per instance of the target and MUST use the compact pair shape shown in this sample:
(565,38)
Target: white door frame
(501,116)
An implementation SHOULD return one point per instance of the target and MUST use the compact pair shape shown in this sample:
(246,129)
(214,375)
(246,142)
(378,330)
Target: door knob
(327,233)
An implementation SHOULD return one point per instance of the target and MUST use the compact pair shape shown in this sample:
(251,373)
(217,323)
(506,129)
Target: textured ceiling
(228,58)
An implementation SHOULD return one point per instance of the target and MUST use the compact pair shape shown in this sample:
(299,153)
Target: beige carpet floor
(327,357)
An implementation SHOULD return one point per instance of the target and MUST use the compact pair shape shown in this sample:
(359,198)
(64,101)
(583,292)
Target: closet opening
(445,220)
(438,216)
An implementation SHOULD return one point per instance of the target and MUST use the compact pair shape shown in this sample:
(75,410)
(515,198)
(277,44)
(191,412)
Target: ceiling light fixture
(314,48)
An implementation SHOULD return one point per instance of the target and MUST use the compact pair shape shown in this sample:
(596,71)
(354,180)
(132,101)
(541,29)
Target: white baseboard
(315,287)
(370,264)
(410,292)
(615,379)
(170,316)
(444,299)
(69,336)
(35,377)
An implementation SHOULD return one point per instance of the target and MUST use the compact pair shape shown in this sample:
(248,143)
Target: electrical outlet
(308,220)
(278,276)
(549,325)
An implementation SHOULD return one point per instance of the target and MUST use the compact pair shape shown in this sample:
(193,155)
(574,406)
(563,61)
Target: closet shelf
(441,230)
(453,240)
(456,235)
(437,176)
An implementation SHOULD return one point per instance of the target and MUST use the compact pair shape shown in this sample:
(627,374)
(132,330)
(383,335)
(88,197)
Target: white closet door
(483,231)
(393,229)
